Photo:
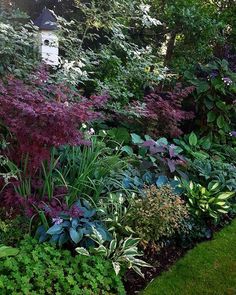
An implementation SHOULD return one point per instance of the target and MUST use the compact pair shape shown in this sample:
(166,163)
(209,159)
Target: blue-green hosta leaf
(147,137)
(127,149)
(54,239)
(64,237)
(104,233)
(76,235)
(89,213)
(161,180)
(75,223)
(136,139)
(55,229)
(162,141)
(43,237)
(65,223)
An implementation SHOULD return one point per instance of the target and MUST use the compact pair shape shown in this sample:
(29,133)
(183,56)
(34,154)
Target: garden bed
(121,158)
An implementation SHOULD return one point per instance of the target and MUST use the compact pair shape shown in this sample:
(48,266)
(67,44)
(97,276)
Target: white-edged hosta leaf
(130,242)
(101,250)
(132,251)
(116,267)
(138,270)
(141,263)
(112,246)
(82,251)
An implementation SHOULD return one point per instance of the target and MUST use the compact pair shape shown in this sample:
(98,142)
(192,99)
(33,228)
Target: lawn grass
(210,268)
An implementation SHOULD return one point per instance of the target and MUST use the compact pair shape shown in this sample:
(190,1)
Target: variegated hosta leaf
(116,266)
(97,236)
(82,251)
(130,242)
(102,250)
(138,270)
(112,246)
(131,251)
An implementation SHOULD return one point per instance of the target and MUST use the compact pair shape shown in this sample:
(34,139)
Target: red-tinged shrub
(41,115)
(162,113)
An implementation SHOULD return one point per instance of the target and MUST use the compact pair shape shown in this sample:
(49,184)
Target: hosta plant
(210,171)
(206,202)
(113,209)
(133,179)
(122,253)
(194,146)
(74,225)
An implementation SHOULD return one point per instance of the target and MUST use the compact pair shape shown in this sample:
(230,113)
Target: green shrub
(214,97)
(19,53)
(161,214)
(41,269)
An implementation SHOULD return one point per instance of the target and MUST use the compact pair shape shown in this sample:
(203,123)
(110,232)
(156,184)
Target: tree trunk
(170,47)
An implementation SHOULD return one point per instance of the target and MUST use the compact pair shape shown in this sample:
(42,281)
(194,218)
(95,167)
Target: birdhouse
(48,40)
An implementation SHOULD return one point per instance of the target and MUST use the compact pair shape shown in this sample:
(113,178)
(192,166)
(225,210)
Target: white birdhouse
(48,40)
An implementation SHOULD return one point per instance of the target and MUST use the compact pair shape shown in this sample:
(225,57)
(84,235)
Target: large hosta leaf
(76,235)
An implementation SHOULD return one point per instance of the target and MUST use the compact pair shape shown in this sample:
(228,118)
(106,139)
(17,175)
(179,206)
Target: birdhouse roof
(47,20)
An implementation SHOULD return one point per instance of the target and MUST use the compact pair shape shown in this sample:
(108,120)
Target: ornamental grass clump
(160,215)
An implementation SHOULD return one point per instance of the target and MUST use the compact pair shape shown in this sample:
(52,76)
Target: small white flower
(91,131)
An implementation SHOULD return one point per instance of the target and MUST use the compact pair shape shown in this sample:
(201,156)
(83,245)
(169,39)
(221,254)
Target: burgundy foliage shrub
(13,202)
(164,111)
(41,115)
